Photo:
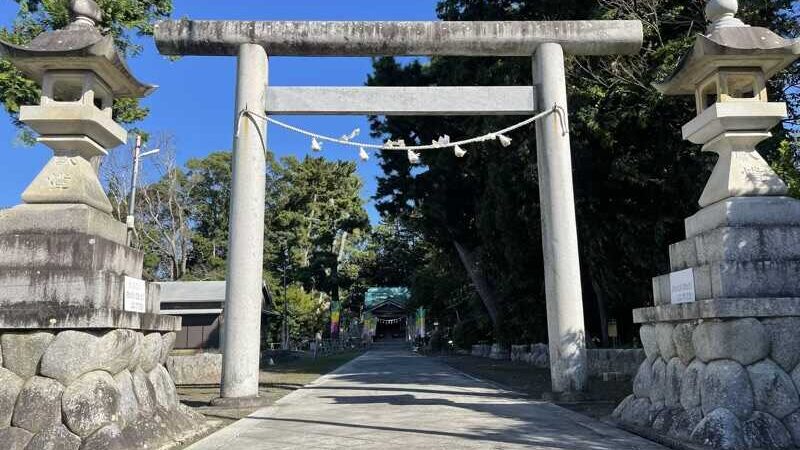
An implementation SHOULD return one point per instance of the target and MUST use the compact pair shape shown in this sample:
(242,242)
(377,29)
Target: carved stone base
(740,170)
(67,179)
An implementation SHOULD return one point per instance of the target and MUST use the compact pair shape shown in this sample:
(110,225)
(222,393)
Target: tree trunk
(485,291)
(600,298)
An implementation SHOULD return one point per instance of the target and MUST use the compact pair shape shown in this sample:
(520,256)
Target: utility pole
(285,301)
(137,156)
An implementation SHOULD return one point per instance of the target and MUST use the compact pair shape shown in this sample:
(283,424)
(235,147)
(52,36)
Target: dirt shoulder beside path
(602,397)
(275,383)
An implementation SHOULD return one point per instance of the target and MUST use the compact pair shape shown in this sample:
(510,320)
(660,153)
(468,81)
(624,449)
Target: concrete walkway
(394,399)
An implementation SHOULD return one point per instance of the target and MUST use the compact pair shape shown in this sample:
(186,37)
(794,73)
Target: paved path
(394,399)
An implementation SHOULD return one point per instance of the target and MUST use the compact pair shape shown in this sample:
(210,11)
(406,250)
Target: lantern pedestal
(82,343)
(722,370)
(740,170)
(722,339)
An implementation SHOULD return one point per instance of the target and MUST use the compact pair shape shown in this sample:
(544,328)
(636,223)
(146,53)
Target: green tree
(210,209)
(635,179)
(306,314)
(319,217)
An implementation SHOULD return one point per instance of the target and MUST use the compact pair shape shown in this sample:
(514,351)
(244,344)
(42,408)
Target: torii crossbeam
(545,42)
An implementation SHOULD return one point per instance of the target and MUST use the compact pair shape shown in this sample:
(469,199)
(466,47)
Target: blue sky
(195,99)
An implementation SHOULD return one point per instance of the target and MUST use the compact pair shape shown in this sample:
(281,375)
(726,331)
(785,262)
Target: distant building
(200,305)
(389,308)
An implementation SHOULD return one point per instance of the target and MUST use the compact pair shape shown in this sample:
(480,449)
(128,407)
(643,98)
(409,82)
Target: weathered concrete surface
(744,212)
(65,287)
(562,273)
(80,219)
(23,351)
(204,368)
(90,403)
(726,308)
(54,251)
(83,186)
(348,38)
(738,279)
(773,243)
(242,328)
(396,400)
(50,315)
(405,101)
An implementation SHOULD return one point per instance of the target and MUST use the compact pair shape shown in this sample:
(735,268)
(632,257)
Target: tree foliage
(635,179)
(314,213)
(319,218)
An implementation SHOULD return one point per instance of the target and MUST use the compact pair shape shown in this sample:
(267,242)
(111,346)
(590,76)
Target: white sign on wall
(681,286)
(135,295)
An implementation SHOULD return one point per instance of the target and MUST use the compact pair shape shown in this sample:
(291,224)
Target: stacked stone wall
(89,390)
(599,360)
(722,383)
(623,361)
(481,350)
(198,369)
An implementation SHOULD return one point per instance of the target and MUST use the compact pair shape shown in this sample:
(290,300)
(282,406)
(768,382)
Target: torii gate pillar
(241,348)
(562,275)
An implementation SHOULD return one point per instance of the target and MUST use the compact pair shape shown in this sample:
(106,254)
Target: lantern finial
(85,12)
(722,14)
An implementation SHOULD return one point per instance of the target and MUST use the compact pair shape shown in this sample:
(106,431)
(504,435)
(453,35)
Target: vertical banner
(421,321)
(370,324)
(336,312)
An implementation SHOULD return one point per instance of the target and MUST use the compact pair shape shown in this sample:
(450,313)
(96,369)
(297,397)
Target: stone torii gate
(545,42)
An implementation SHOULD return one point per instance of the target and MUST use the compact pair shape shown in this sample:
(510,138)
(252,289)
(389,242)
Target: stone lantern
(79,329)
(722,340)
(80,72)
(726,71)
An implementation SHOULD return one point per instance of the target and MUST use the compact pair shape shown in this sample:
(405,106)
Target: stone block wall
(729,383)
(481,350)
(601,361)
(198,369)
(623,361)
(498,351)
(89,390)
(537,355)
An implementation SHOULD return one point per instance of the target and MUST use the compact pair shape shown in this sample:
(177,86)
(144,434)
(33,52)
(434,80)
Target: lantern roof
(730,44)
(79,46)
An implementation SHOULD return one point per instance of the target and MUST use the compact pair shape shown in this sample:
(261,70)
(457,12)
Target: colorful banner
(336,313)
(421,321)
(370,325)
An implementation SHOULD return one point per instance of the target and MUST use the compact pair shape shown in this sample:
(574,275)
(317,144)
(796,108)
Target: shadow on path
(394,399)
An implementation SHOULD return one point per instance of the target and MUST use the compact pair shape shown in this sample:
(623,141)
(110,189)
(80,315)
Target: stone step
(86,288)
(737,279)
(44,252)
(745,212)
(765,243)
(61,219)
